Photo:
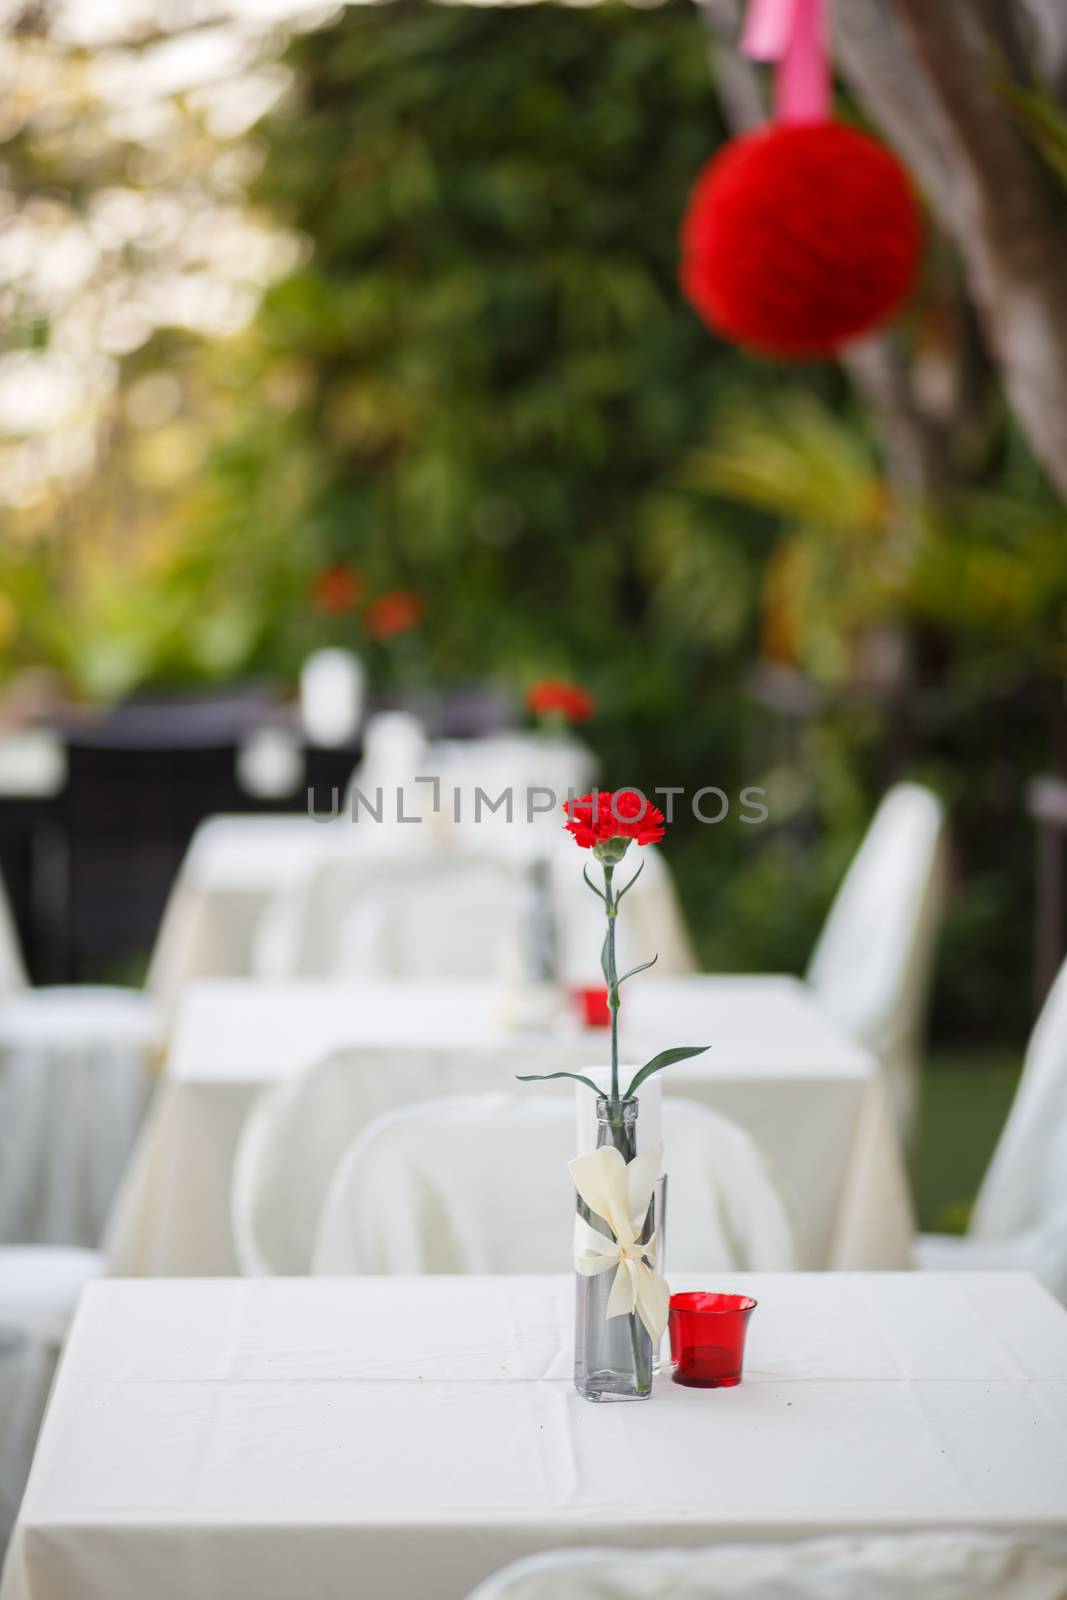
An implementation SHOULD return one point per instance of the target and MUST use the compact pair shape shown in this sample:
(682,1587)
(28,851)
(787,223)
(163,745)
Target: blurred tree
(126,240)
(482,384)
(500,379)
(982,176)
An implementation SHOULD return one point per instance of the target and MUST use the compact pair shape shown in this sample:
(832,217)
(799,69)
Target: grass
(966,1097)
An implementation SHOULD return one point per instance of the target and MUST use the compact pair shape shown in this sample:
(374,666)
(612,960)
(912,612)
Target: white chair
(466,915)
(456,918)
(872,964)
(75,1071)
(39,1288)
(479,1183)
(424,914)
(1020,1216)
(919,1566)
(298,1130)
(73,1083)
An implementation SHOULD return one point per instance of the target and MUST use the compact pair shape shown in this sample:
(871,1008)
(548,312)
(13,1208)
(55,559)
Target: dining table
(812,1098)
(234,909)
(400,1437)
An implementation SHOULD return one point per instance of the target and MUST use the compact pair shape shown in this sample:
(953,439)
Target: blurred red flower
(336,589)
(626,814)
(397,611)
(553,697)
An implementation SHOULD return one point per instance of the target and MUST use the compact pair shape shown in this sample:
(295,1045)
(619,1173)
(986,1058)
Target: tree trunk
(1048,24)
(993,196)
(735,78)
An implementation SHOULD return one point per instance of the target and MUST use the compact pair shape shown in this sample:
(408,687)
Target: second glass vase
(612,1355)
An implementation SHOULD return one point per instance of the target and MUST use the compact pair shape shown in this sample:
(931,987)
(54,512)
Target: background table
(242,873)
(406,1437)
(233,868)
(777,1065)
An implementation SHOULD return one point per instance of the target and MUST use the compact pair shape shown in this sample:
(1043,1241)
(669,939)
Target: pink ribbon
(792,33)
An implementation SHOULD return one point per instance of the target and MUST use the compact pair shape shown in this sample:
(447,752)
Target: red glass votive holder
(708,1338)
(596,1013)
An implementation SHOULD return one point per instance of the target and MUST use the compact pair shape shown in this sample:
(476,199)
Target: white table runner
(406,1437)
(777,1065)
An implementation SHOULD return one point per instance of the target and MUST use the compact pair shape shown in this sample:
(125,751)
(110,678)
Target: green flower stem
(611,907)
(641,1377)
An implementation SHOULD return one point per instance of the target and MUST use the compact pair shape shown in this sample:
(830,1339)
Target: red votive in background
(708,1338)
(596,1013)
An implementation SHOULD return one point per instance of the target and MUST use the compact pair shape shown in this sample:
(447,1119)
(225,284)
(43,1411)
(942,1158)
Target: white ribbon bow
(620,1193)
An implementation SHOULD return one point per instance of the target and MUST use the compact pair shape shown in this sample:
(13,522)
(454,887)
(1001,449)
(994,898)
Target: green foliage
(812,469)
(666,1058)
(971,590)
(1043,122)
(483,383)
(547,1077)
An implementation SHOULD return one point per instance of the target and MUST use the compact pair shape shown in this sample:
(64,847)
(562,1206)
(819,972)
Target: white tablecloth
(810,1097)
(407,1437)
(76,1067)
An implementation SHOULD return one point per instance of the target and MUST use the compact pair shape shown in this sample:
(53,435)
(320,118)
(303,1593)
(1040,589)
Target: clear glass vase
(612,1355)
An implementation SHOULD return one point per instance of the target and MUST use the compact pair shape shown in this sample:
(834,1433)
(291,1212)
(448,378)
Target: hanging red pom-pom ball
(799,238)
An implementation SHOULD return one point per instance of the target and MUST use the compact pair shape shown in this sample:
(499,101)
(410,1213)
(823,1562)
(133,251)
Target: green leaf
(1042,121)
(666,1058)
(643,967)
(598,892)
(604,958)
(627,887)
(544,1077)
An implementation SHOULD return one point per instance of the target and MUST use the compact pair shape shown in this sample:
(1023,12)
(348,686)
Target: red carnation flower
(608,824)
(599,817)
(336,589)
(398,611)
(552,697)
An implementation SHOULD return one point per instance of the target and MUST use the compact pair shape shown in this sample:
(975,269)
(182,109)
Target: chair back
(872,963)
(1025,1186)
(420,913)
(479,1184)
(933,1566)
(446,917)
(290,1144)
(39,1289)
(298,1130)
